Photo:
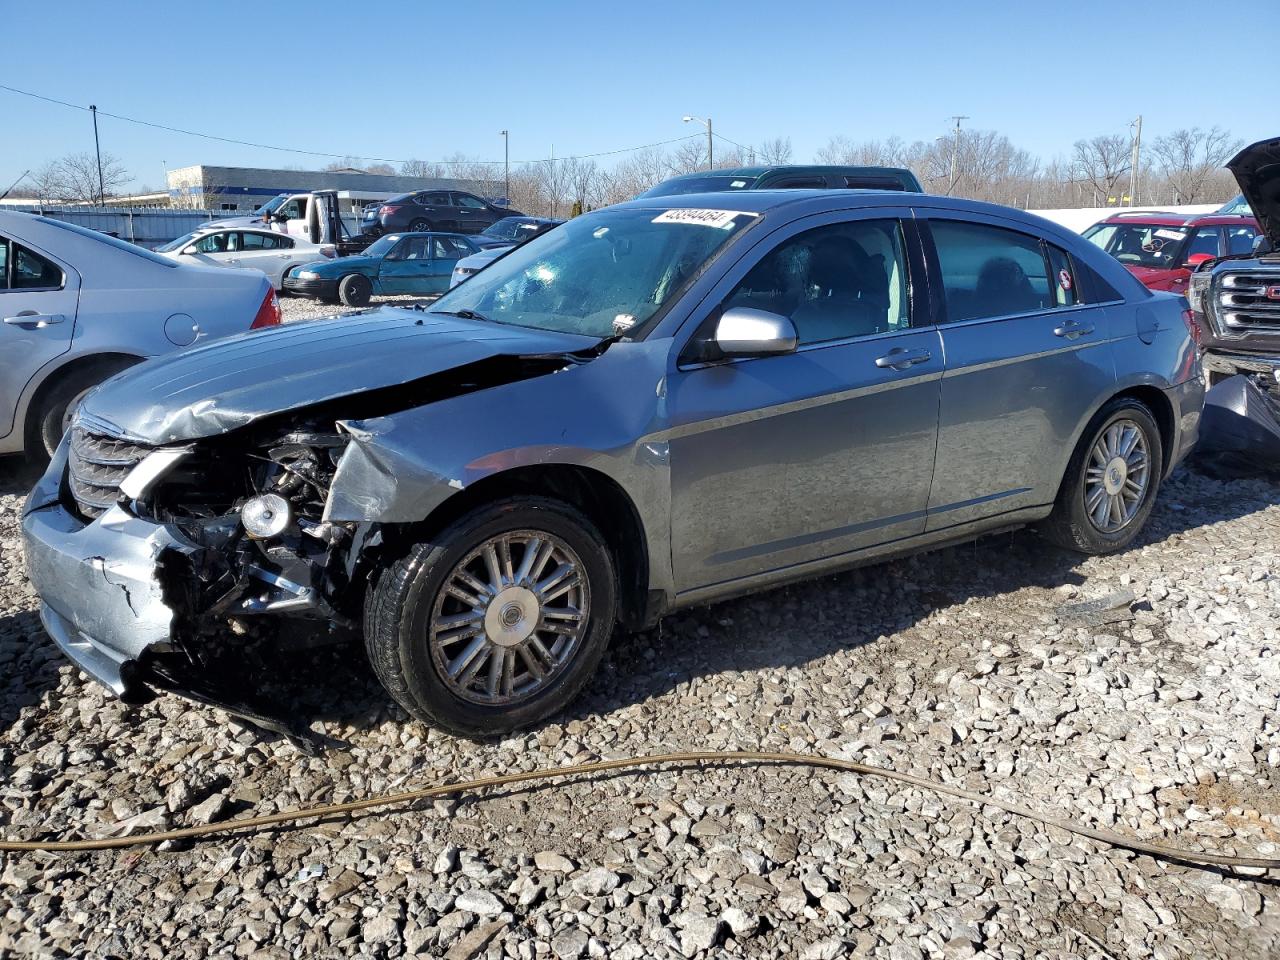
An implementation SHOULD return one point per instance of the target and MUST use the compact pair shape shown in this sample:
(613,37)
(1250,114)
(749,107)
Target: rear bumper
(102,601)
(324,289)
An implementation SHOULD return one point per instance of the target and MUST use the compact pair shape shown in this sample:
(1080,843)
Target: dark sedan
(451,211)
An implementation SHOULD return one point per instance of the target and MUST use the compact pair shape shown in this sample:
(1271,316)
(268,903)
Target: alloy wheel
(510,617)
(1116,476)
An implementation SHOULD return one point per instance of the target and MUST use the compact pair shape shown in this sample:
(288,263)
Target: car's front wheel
(355,290)
(1111,481)
(498,621)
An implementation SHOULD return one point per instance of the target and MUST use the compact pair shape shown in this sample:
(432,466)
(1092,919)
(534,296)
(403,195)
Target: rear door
(267,252)
(38,297)
(1026,362)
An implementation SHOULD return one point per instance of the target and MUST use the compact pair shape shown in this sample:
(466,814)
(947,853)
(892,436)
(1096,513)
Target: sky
(430,80)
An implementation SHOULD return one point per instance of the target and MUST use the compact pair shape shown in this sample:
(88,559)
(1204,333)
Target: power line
(320,153)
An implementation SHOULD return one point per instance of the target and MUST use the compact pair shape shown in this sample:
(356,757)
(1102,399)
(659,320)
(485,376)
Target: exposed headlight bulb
(265,516)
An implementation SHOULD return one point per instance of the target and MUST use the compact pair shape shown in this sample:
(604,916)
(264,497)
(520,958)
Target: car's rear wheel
(58,407)
(1111,481)
(420,225)
(355,289)
(498,621)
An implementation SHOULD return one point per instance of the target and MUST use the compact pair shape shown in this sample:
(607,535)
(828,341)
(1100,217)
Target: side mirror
(279,218)
(190,251)
(745,332)
(1196,259)
(1262,244)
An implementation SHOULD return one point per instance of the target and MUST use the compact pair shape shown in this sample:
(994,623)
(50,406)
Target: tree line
(1181,167)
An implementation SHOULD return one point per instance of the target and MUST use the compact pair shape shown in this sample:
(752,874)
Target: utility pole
(955,151)
(506,166)
(1137,159)
(98,150)
(711,158)
(552,182)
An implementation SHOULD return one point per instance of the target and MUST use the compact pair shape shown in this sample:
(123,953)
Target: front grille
(1248,303)
(96,467)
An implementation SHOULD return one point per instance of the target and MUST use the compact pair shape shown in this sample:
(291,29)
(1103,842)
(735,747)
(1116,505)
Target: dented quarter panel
(607,414)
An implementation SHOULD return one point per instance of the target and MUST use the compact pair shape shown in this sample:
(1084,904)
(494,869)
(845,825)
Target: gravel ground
(1158,718)
(305,308)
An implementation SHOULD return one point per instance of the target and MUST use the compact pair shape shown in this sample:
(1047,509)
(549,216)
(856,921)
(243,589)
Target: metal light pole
(98,150)
(506,165)
(955,150)
(1137,158)
(711,159)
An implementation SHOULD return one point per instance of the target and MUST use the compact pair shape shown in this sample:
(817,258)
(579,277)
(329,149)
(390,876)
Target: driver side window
(834,282)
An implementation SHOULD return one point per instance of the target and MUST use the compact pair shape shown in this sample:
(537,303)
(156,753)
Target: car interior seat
(845,297)
(1003,288)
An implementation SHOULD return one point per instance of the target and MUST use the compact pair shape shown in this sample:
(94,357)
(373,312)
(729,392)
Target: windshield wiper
(465,315)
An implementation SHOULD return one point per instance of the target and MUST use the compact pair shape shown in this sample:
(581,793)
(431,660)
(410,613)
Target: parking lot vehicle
(260,249)
(79,306)
(1236,299)
(395,263)
(519,229)
(426,210)
(1161,249)
(657,404)
(790,177)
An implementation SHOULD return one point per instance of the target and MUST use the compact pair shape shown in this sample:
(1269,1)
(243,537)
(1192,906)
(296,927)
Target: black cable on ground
(637,763)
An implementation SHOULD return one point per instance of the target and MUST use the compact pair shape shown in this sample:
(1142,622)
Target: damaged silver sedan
(658,404)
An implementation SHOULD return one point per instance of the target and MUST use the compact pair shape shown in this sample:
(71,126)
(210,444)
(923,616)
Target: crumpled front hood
(1257,170)
(230,383)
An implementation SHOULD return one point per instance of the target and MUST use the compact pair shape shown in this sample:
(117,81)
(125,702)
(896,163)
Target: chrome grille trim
(1242,305)
(96,466)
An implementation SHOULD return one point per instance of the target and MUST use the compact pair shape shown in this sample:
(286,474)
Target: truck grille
(96,467)
(1248,303)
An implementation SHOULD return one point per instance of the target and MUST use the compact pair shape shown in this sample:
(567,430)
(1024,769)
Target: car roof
(801,202)
(812,168)
(1160,218)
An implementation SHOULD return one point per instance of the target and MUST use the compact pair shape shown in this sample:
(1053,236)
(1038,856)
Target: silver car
(659,404)
(79,306)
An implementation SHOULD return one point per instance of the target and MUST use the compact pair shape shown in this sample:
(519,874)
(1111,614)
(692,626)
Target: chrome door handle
(34,321)
(1072,329)
(899,359)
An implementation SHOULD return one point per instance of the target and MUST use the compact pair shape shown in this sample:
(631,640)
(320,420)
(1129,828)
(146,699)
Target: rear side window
(261,241)
(466,200)
(1205,241)
(25,269)
(1062,277)
(1240,239)
(797,183)
(990,271)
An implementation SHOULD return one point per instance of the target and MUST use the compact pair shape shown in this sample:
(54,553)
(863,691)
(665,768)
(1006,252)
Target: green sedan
(395,263)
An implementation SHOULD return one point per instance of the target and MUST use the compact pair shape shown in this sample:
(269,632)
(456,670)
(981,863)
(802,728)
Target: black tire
(399,608)
(355,289)
(1070,525)
(49,421)
(420,226)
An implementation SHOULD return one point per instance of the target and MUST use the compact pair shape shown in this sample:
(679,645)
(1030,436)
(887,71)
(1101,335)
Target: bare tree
(384,169)
(1103,162)
(583,179)
(74,178)
(1188,158)
(421,168)
(775,151)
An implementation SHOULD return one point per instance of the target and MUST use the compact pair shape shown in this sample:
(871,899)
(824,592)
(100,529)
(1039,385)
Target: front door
(407,266)
(1027,361)
(38,298)
(782,460)
(472,213)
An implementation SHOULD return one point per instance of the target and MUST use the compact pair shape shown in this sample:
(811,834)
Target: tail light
(328,250)
(268,313)
(387,210)
(1193,328)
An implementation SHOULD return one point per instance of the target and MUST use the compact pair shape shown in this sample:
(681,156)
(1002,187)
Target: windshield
(380,246)
(1238,207)
(1139,244)
(272,205)
(611,267)
(707,184)
(504,229)
(178,244)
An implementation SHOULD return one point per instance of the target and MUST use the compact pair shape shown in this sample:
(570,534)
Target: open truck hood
(1257,170)
(230,383)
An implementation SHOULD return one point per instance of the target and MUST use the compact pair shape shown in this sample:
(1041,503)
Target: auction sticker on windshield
(706,218)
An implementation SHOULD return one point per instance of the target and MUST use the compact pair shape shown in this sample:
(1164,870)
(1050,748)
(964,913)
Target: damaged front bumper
(99,583)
